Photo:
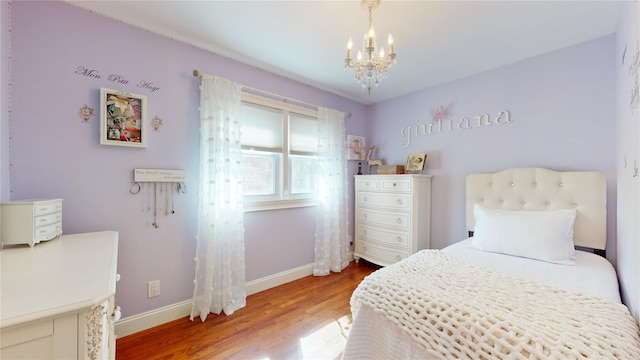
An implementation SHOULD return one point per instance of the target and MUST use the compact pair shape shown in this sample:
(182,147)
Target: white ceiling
(435,41)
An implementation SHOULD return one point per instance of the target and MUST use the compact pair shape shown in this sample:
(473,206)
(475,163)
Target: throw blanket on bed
(457,310)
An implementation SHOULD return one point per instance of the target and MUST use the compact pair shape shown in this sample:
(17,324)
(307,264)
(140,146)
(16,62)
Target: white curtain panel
(220,276)
(332,239)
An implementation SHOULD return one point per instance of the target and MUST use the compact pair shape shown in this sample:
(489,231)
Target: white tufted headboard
(542,189)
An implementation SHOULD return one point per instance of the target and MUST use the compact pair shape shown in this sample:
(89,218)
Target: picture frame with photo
(356,147)
(123,118)
(415,162)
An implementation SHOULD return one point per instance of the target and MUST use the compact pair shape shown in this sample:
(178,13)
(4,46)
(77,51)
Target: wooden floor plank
(271,326)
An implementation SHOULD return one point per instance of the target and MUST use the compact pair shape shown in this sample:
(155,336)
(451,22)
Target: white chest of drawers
(30,221)
(393,216)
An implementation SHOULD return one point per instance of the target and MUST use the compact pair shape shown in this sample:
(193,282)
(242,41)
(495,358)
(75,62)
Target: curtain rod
(197,74)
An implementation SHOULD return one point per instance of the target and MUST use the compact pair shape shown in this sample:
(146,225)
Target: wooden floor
(304,319)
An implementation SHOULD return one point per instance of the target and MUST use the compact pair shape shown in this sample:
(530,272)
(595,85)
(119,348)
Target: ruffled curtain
(331,248)
(220,266)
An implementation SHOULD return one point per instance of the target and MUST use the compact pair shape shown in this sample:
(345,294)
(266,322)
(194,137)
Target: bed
(517,288)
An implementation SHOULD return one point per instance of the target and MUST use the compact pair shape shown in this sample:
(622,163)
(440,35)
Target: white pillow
(541,235)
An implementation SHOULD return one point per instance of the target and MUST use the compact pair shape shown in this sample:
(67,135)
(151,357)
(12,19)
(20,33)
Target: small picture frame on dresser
(415,162)
(123,118)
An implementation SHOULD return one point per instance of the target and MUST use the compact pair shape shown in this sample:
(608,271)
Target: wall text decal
(448,124)
(116,78)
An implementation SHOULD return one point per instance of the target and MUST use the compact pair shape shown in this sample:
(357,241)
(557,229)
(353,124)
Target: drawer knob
(399,220)
(399,239)
(117,314)
(364,232)
(399,201)
(365,199)
(364,215)
(398,257)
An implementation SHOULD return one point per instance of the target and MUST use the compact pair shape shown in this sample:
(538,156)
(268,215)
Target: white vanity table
(57,298)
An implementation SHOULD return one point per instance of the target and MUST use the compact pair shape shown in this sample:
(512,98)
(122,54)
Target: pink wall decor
(441,112)
(355,147)
(156,122)
(85,113)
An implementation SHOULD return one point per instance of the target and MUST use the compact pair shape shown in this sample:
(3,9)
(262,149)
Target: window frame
(283,177)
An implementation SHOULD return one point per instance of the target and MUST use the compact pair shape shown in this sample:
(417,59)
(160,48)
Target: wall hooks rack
(165,183)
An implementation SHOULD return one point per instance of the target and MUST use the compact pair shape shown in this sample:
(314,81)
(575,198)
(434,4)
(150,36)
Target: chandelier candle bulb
(390,42)
(349,47)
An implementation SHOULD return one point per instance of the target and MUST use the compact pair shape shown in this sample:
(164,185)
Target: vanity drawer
(47,232)
(401,221)
(395,239)
(47,207)
(396,185)
(384,200)
(367,184)
(48,219)
(379,254)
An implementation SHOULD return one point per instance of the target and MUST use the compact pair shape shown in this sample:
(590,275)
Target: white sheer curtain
(220,267)
(331,248)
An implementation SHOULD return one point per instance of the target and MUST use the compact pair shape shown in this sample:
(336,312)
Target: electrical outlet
(153,288)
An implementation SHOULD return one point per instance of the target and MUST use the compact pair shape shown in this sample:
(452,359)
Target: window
(279,153)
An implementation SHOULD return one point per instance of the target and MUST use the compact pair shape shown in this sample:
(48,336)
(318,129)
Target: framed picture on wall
(123,118)
(415,162)
(355,147)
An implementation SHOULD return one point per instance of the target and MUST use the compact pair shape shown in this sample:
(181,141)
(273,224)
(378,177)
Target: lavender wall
(562,116)
(628,155)
(56,155)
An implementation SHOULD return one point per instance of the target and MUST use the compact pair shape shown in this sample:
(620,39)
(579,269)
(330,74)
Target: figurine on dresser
(373,162)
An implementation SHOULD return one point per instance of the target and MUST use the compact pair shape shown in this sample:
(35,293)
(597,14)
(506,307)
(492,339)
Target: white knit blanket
(457,310)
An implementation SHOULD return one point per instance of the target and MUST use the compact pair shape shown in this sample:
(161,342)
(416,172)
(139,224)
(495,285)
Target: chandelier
(371,65)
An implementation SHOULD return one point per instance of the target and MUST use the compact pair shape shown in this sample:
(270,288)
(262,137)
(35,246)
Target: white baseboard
(278,279)
(149,319)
